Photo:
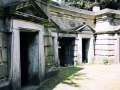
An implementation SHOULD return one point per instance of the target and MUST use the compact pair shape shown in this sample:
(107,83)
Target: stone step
(31,88)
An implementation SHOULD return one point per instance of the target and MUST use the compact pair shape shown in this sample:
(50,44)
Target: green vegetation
(65,75)
(105,61)
(82,4)
(87,4)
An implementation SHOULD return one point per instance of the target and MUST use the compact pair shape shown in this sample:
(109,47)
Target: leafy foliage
(105,61)
(83,4)
(87,4)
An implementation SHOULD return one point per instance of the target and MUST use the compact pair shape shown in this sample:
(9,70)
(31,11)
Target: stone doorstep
(4,84)
(31,88)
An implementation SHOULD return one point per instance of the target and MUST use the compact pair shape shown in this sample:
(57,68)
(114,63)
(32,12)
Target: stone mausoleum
(38,36)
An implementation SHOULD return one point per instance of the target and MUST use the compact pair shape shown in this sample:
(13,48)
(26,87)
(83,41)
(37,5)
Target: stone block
(105,47)
(103,42)
(98,47)
(47,31)
(48,41)
(111,41)
(101,52)
(53,14)
(2,74)
(2,25)
(111,47)
(106,36)
(5,69)
(111,53)
(106,53)
(98,42)
(49,51)
(102,36)
(97,52)
(4,40)
(0,40)
(49,61)
(4,54)
(0,55)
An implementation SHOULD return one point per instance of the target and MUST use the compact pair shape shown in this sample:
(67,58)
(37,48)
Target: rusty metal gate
(67,52)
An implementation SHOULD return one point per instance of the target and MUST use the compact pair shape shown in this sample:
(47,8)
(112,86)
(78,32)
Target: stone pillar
(91,50)
(41,56)
(55,46)
(96,6)
(3,57)
(80,48)
(16,75)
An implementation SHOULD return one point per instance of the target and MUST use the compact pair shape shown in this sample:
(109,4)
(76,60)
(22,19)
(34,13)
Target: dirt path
(94,77)
(104,77)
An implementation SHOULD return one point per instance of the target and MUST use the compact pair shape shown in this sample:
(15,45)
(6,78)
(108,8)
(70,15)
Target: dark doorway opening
(24,58)
(29,58)
(85,49)
(66,51)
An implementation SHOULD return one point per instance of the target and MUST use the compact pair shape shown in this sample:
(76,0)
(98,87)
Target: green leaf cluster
(82,4)
(87,4)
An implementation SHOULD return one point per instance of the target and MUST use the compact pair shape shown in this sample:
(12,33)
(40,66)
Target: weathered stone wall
(103,21)
(105,47)
(49,49)
(3,51)
(107,22)
(69,17)
(50,62)
(105,44)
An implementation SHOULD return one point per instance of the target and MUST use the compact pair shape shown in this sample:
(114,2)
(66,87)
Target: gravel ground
(94,77)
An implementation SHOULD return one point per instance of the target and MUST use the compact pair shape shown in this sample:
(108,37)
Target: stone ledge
(31,88)
(4,84)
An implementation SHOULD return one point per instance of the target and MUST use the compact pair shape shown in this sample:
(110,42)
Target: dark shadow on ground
(65,75)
